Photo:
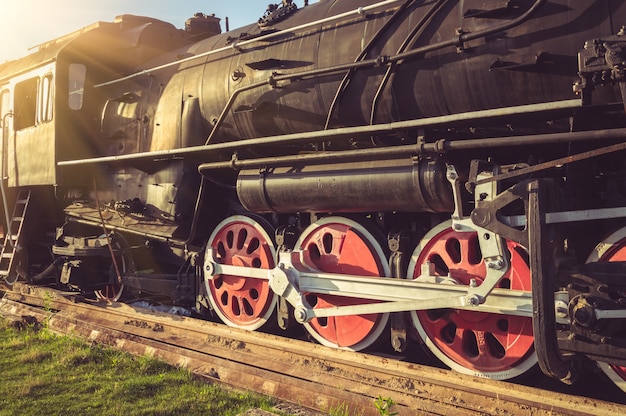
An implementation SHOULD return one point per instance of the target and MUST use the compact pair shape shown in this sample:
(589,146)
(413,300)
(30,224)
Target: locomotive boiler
(416,173)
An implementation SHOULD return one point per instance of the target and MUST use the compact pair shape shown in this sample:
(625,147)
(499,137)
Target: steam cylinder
(404,185)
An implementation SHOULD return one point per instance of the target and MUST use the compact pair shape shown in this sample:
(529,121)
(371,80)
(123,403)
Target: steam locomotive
(437,173)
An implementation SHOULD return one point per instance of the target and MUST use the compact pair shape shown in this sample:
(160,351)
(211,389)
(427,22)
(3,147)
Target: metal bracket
(601,62)
(492,245)
(543,272)
(398,262)
(486,8)
(485,215)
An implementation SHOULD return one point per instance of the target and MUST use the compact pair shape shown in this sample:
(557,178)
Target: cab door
(29,139)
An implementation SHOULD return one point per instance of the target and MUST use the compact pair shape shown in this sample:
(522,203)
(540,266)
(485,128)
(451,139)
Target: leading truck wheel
(240,301)
(477,343)
(112,292)
(339,245)
(612,248)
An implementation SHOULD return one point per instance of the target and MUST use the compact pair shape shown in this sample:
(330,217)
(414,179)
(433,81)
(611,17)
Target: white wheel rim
(119,290)
(377,253)
(520,367)
(217,306)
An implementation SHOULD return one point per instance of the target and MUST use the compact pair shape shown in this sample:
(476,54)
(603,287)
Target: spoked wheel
(613,248)
(477,343)
(241,301)
(112,292)
(339,245)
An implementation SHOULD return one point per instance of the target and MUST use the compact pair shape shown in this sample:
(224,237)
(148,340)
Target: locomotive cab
(44,93)
(52,110)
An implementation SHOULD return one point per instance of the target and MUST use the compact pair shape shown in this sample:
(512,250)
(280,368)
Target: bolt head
(560,309)
(495,264)
(474,300)
(300,315)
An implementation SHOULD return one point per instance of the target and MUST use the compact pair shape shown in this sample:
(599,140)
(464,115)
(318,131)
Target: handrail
(235,45)
(4,177)
(378,61)
(333,134)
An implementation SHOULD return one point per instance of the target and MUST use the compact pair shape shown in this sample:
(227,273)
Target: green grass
(45,374)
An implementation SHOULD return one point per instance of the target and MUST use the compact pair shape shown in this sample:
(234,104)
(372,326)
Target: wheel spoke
(339,245)
(113,292)
(472,342)
(241,301)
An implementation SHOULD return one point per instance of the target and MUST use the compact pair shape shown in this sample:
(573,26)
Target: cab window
(47,98)
(77,74)
(25,104)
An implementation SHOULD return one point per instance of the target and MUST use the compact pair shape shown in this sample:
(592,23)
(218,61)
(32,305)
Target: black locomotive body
(441,172)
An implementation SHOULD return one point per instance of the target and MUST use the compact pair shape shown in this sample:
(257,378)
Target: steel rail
(228,356)
(136,337)
(261,362)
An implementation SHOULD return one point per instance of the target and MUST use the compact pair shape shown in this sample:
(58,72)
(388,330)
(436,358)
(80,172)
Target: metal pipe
(235,45)
(3,177)
(426,19)
(578,136)
(196,213)
(228,106)
(440,146)
(378,61)
(324,157)
(345,133)
(347,77)
(129,231)
(466,37)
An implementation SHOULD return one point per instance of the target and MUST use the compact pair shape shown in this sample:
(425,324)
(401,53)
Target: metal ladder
(12,238)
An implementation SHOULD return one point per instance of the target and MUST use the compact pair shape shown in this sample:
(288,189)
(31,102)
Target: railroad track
(306,374)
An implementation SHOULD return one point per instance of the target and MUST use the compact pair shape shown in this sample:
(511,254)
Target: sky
(24,24)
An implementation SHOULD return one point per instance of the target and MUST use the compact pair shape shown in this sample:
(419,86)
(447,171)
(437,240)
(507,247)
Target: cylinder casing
(391,185)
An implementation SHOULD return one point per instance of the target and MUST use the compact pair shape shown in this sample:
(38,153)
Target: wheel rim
(477,343)
(110,292)
(339,245)
(612,248)
(241,301)
(113,292)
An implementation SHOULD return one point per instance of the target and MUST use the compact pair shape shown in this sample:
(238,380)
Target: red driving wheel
(339,245)
(478,343)
(242,301)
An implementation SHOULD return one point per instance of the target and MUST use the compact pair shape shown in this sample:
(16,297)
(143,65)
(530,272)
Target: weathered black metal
(595,287)
(543,266)
(265,149)
(393,185)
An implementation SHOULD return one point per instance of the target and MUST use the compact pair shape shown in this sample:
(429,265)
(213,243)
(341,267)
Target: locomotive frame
(300,193)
